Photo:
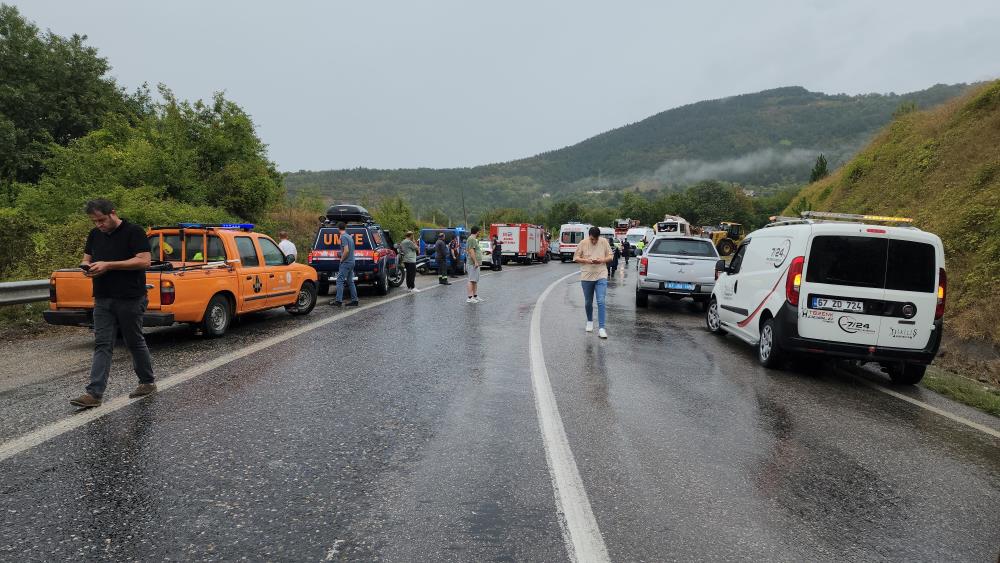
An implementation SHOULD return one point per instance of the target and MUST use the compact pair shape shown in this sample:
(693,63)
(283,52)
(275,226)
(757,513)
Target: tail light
(52,290)
(309,257)
(794,281)
(167,292)
(941,291)
(643,266)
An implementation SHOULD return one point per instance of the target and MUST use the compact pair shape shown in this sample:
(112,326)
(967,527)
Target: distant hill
(941,167)
(766,138)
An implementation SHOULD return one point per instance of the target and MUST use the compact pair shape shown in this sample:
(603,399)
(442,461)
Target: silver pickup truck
(678,267)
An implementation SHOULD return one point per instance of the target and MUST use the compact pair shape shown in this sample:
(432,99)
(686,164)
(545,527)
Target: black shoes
(352,304)
(335,303)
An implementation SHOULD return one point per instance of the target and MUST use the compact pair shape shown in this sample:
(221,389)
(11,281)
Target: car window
(248,252)
(171,246)
(737,262)
(683,247)
(377,237)
(273,256)
(216,250)
(847,260)
(572,237)
(154,246)
(911,266)
(194,248)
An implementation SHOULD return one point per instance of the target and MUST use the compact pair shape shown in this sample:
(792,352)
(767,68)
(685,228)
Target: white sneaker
(590,326)
(602,333)
(478,299)
(470,300)
(414,290)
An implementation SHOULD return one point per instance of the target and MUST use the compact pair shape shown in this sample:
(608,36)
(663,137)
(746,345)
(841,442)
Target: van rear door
(842,291)
(911,282)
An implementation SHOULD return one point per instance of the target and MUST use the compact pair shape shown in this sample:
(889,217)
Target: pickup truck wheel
(382,284)
(218,316)
(641,298)
(712,319)
(768,352)
(305,301)
(905,374)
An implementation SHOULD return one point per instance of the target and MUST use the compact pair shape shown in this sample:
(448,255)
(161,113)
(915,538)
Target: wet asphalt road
(408,432)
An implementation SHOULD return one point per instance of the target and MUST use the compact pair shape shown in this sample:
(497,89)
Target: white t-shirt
(288,247)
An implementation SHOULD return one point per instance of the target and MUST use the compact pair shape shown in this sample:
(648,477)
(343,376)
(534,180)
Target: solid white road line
(925,406)
(583,538)
(45,433)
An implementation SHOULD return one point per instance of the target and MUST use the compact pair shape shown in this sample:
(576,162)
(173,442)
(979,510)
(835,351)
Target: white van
(571,235)
(836,285)
(609,234)
(635,234)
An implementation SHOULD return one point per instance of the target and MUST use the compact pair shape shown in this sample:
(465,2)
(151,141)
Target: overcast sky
(460,83)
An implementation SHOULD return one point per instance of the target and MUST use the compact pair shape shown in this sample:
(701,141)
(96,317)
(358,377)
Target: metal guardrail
(14,293)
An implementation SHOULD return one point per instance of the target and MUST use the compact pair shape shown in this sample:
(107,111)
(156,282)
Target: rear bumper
(657,287)
(85,317)
(787,337)
(362,276)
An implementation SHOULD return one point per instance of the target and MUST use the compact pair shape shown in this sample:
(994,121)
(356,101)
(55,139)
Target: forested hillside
(762,139)
(941,167)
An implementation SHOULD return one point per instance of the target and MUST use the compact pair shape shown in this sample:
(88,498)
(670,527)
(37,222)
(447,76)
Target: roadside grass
(968,391)
(22,320)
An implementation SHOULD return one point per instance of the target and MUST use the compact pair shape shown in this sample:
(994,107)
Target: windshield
(634,238)
(572,237)
(683,247)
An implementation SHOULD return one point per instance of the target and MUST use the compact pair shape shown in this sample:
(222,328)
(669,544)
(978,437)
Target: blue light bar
(248,226)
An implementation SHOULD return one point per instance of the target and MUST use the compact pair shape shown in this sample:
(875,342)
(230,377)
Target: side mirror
(720,266)
(289,259)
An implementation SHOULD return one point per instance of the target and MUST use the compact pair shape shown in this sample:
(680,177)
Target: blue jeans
(589,288)
(346,275)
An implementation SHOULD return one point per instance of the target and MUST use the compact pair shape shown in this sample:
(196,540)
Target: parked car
(836,285)
(678,267)
(487,252)
(375,261)
(636,234)
(204,275)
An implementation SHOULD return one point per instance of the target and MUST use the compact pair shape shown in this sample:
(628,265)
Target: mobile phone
(85,267)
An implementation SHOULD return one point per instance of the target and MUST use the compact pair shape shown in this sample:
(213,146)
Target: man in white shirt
(286,246)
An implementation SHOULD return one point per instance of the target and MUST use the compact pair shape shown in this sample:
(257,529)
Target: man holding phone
(115,257)
(593,255)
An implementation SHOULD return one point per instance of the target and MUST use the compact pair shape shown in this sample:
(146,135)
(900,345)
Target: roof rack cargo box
(348,214)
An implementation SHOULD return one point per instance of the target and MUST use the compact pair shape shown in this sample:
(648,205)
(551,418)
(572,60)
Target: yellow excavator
(727,237)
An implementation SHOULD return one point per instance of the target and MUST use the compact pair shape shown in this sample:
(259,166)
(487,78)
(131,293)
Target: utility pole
(465,215)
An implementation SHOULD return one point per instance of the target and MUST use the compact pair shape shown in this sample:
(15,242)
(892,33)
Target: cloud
(686,171)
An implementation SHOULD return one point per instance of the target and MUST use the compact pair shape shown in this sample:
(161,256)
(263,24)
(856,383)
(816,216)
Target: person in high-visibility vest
(639,246)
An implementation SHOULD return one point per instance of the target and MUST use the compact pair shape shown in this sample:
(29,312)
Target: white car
(678,267)
(487,248)
(836,285)
(636,234)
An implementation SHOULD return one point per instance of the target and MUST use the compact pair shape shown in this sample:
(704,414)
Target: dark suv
(375,259)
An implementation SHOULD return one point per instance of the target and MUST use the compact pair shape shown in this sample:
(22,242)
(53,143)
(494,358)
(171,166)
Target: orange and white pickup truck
(204,275)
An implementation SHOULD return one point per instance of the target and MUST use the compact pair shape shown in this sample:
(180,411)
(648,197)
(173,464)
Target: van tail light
(941,291)
(794,281)
(643,266)
(167,292)
(52,290)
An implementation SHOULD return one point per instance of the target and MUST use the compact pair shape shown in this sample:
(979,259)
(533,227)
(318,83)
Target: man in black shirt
(115,258)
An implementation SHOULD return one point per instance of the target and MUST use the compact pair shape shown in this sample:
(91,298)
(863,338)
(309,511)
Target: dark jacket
(440,250)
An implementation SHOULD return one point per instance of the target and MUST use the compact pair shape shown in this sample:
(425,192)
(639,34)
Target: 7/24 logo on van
(852,325)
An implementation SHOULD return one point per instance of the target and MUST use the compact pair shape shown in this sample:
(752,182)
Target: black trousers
(442,269)
(497,261)
(411,274)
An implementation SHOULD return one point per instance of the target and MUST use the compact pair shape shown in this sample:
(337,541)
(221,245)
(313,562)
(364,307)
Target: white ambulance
(570,236)
(862,287)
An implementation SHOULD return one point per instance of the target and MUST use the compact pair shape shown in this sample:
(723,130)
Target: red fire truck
(521,242)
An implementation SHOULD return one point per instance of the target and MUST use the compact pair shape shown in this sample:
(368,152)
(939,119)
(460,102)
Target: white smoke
(686,171)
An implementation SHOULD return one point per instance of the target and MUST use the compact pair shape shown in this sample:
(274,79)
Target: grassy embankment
(941,167)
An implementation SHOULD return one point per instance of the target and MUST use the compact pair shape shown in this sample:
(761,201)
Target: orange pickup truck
(204,275)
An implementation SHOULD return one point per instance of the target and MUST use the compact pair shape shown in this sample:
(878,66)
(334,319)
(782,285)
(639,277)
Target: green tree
(819,170)
(394,215)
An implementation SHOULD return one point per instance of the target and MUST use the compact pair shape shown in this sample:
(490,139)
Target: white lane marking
(45,433)
(583,538)
(923,405)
